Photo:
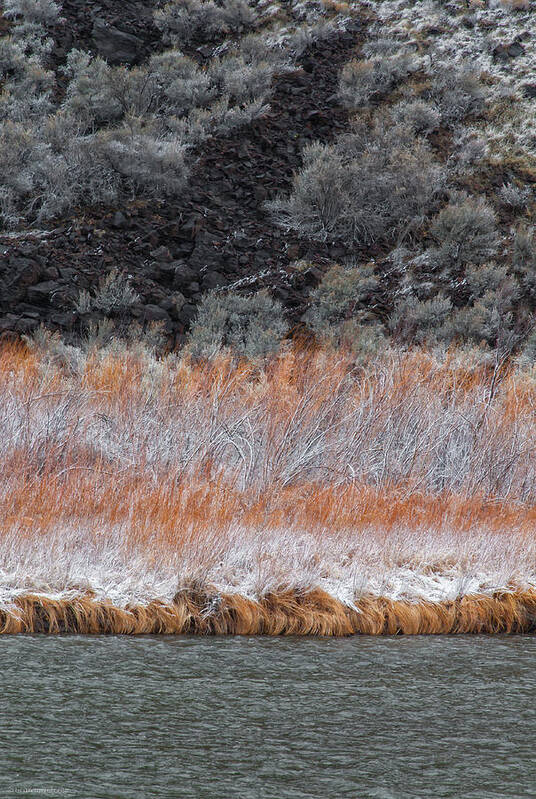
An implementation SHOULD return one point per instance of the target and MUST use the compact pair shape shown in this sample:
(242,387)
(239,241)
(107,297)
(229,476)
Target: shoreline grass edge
(313,613)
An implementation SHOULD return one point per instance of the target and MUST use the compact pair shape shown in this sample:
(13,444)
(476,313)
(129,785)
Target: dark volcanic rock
(213,280)
(188,312)
(503,52)
(154,313)
(183,275)
(515,49)
(173,304)
(218,231)
(26,325)
(65,319)
(116,46)
(192,288)
(42,293)
(162,254)
(68,273)
(8,322)
(16,274)
(120,222)
(205,251)
(312,276)
(24,271)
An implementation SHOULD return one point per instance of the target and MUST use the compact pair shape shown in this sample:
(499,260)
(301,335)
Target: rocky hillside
(216,233)
(370,165)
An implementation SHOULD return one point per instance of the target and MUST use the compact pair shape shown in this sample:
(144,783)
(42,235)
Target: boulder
(8,322)
(213,280)
(154,313)
(183,275)
(24,271)
(69,274)
(64,319)
(162,254)
(515,49)
(24,309)
(192,288)
(26,325)
(42,293)
(504,52)
(119,221)
(166,271)
(188,312)
(312,276)
(16,274)
(114,45)
(173,304)
(205,254)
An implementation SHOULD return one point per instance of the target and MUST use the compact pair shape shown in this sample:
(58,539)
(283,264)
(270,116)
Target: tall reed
(307,495)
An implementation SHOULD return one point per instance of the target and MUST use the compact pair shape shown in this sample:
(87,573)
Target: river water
(268,718)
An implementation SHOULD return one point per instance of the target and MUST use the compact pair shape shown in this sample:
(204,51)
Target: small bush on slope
(465,232)
(361,80)
(43,12)
(420,117)
(365,187)
(487,318)
(250,327)
(513,196)
(489,321)
(148,162)
(183,20)
(339,300)
(457,92)
(113,295)
(488,277)
(524,248)
(420,321)
(527,356)
(524,261)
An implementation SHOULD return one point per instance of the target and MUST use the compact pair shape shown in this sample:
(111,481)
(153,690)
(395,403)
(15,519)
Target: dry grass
(306,496)
(286,613)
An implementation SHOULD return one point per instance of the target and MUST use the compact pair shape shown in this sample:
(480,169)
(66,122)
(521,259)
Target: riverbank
(308,494)
(290,613)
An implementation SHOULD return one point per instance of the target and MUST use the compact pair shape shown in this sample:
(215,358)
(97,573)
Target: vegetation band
(291,613)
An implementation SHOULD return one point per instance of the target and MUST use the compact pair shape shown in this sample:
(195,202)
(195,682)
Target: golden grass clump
(286,613)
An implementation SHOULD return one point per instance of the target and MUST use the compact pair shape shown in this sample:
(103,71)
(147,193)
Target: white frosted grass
(493,25)
(366,427)
(407,564)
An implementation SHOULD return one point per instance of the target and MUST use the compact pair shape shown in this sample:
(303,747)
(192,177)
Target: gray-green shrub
(484,321)
(341,294)
(43,12)
(183,20)
(515,197)
(465,232)
(524,248)
(360,80)
(420,117)
(420,321)
(524,261)
(457,92)
(365,187)
(114,294)
(488,277)
(249,326)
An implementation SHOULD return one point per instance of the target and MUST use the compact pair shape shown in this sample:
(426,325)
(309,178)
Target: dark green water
(251,718)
